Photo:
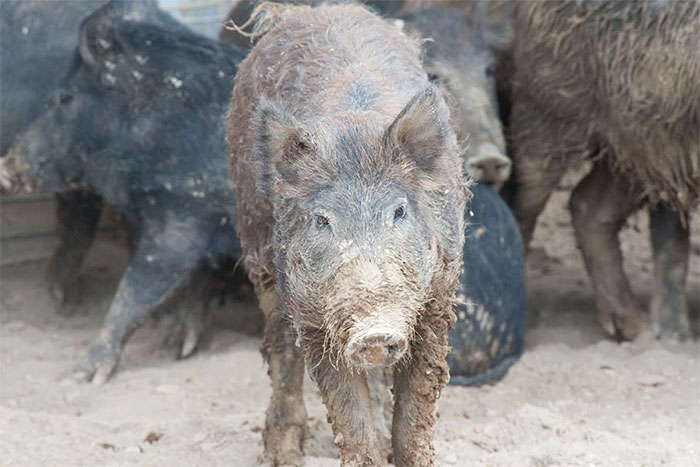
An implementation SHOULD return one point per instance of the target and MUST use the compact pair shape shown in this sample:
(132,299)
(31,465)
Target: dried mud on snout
(575,398)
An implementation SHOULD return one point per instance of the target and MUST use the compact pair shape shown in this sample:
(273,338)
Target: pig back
(312,58)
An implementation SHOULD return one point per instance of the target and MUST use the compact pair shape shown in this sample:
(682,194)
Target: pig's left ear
(422,132)
(95,36)
(279,147)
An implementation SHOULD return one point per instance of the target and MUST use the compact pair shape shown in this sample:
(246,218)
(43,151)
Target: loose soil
(576,398)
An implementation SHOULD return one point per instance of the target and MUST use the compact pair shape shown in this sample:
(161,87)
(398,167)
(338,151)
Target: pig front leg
(285,419)
(671,246)
(418,383)
(77,216)
(161,264)
(537,165)
(347,398)
(599,206)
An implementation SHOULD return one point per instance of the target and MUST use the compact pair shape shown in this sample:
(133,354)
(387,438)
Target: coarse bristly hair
(619,80)
(320,91)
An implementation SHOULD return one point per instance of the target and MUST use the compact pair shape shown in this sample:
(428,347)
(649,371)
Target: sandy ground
(576,398)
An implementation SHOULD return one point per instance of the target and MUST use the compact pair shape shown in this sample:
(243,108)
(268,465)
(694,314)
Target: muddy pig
(241,11)
(489,335)
(350,204)
(618,83)
(138,123)
(457,56)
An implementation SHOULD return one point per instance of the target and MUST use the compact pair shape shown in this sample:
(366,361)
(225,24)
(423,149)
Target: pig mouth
(14,174)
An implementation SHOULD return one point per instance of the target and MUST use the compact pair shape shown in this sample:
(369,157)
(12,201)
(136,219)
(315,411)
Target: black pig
(138,123)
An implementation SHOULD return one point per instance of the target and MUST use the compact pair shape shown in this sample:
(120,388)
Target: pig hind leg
(599,205)
(671,246)
(157,270)
(189,315)
(285,419)
(77,216)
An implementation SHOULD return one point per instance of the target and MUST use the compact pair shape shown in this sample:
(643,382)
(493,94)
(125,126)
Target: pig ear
(279,145)
(422,132)
(95,35)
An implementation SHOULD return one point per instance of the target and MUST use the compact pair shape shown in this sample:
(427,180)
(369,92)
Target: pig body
(138,123)
(350,213)
(618,83)
(489,334)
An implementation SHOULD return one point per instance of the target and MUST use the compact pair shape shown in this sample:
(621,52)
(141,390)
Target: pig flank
(350,202)
(647,121)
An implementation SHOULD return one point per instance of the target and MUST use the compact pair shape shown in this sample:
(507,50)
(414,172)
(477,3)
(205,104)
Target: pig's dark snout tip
(375,351)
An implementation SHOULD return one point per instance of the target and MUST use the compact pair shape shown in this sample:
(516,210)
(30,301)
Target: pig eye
(321,221)
(64,98)
(433,78)
(400,212)
(491,70)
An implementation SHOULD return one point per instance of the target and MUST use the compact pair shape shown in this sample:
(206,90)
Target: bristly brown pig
(351,201)
(618,82)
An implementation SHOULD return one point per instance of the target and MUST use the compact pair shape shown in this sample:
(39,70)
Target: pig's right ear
(279,146)
(96,34)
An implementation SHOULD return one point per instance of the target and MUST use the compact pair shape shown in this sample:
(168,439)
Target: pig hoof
(628,327)
(625,326)
(171,346)
(283,446)
(65,299)
(182,339)
(670,323)
(99,366)
(189,344)
(195,325)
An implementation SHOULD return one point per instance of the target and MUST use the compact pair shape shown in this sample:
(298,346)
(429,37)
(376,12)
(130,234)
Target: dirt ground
(576,398)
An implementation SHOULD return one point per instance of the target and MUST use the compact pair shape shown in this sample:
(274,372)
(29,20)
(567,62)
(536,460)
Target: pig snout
(489,166)
(379,340)
(375,350)
(14,174)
